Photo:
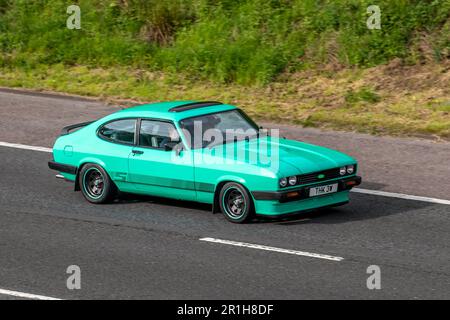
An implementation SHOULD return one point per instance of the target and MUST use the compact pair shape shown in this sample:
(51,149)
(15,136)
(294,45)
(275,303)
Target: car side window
(156,134)
(121,131)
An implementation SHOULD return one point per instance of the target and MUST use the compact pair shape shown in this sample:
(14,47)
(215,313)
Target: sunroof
(194,105)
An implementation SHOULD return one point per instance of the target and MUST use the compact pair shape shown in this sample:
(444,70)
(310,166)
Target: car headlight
(343,171)
(293,180)
(350,169)
(283,182)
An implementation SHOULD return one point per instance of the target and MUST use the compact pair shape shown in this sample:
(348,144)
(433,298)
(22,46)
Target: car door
(156,167)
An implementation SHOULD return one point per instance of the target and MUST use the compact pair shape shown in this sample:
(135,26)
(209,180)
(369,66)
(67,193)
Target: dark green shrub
(248,41)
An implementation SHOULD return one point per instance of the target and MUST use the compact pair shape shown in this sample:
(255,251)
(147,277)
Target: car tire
(236,203)
(96,185)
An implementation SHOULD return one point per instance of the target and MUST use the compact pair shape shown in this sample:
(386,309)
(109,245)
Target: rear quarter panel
(84,146)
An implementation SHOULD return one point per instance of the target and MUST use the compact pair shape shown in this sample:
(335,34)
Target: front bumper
(298,199)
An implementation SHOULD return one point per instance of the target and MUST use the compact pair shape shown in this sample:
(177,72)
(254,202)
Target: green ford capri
(207,152)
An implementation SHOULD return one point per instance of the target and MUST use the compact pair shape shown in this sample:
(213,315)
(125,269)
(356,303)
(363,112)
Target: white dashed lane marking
(24,295)
(400,196)
(24,147)
(273,249)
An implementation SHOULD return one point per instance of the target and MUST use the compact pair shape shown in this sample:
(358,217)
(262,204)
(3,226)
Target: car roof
(162,110)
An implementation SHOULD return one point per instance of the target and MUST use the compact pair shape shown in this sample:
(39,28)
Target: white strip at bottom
(25,295)
(273,249)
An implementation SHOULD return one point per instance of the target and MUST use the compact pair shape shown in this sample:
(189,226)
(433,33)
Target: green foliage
(362,95)
(247,42)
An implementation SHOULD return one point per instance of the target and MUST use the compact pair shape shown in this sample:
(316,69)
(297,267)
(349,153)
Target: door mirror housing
(174,145)
(169,146)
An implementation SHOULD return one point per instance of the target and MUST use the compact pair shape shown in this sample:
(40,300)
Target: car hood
(286,157)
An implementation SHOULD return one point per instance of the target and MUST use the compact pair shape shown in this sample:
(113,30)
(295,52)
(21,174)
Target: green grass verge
(346,100)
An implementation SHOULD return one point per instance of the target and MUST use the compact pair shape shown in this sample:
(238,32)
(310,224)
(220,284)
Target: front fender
(231,178)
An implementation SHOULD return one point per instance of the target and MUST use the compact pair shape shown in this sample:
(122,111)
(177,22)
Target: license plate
(318,191)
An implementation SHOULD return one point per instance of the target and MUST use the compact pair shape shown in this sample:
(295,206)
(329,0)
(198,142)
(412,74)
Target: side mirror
(173,145)
(169,146)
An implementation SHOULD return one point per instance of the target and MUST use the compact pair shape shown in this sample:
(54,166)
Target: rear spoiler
(66,130)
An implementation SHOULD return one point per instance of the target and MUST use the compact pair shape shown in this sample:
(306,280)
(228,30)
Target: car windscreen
(216,128)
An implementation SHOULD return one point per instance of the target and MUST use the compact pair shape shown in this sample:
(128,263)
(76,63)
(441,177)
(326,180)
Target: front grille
(315,177)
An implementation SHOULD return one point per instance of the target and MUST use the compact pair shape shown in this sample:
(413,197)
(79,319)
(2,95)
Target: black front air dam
(303,192)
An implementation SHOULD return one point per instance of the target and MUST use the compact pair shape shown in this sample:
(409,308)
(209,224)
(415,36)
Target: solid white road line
(24,147)
(400,196)
(358,190)
(274,249)
(25,295)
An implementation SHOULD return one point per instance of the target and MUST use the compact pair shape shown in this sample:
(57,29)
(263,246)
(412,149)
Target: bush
(248,42)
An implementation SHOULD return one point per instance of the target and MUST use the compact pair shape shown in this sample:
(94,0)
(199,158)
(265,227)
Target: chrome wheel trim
(234,203)
(93,183)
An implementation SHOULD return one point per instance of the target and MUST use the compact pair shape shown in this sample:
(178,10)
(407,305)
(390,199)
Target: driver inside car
(172,137)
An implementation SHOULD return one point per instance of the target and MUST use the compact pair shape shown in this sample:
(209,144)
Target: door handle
(137,152)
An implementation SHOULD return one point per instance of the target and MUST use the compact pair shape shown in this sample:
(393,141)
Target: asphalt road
(149,248)
(412,166)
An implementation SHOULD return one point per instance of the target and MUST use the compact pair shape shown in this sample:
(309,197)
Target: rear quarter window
(120,131)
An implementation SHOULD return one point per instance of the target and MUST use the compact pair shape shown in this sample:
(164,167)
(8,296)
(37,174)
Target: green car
(207,152)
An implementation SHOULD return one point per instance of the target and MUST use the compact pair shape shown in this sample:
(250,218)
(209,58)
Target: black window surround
(117,141)
(137,132)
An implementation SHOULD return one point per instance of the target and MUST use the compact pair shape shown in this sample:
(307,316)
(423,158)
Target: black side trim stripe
(65,168)
(179,184)
(205,187)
